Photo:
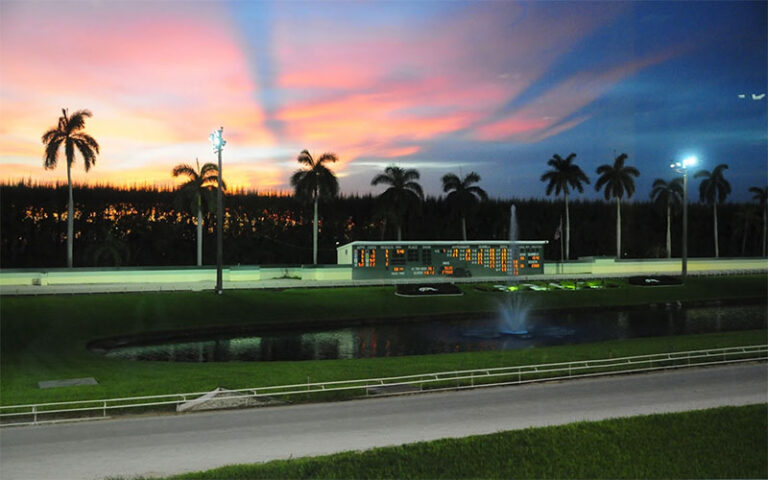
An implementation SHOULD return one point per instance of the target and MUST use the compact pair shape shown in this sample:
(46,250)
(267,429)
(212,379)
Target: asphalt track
(180,443)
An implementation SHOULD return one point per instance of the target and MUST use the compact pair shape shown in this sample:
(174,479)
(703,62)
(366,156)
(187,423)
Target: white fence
(33,414)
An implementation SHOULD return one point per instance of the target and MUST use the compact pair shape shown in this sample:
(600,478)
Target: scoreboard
(376,260)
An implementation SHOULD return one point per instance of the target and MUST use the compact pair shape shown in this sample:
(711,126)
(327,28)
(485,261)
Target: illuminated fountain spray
(513,314)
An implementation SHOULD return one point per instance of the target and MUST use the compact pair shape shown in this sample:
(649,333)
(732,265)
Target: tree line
(283,219)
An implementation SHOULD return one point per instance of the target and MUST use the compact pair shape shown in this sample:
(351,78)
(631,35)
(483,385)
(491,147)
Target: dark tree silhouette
(463,194)
(69,132)
(713,190)
(669,194)
(617,179)
(564,175)
(403,192)
(761,195)
(198,190)
(314,182)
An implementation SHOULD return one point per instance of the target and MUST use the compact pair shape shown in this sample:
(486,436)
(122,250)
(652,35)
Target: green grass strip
(728,442)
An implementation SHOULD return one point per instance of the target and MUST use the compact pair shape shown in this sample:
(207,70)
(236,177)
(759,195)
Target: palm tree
(617,179)
(69,132)
(669,194)
(198,189)
(463,194)
(313,183)
(714,188)
(761,195)
(403,191)
(561,178)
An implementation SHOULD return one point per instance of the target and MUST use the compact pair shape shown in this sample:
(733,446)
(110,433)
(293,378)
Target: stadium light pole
(218,145)
(682,167)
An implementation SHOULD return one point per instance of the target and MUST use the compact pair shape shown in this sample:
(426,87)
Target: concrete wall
(244,275)
(610,266)
(235,274)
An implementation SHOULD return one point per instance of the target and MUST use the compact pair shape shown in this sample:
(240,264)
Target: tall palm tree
(617,179)
(761,195)
(463,194)
(198,189)
(403,192)
(314,182)
(714,188)
(69,132)
(669,194)
(564,176)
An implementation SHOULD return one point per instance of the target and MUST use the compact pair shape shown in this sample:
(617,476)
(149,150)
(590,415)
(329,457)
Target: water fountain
(513,314)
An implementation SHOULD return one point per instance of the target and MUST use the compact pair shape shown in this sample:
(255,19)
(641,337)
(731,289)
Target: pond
(432,337)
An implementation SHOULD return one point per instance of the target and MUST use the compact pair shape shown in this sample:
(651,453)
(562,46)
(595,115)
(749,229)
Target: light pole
(682,167)
(218,145)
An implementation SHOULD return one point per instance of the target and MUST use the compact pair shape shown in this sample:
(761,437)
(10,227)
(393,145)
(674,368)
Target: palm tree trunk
(383,228)
(70,218)
(199,232)
(399,232)
(464,228)
(765,227)
(567,230)
(669,232)
(314,233)
(744,235)
(717,247)
(618,227)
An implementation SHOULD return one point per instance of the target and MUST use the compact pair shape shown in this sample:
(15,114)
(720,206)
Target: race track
(179,443)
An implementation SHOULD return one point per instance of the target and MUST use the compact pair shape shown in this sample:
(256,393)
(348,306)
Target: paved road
(175,444)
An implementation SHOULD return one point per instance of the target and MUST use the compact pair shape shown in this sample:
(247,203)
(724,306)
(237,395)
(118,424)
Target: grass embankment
(44,338)
(727,442)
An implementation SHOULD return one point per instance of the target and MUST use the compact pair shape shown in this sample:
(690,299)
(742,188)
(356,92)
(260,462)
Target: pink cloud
(532,123)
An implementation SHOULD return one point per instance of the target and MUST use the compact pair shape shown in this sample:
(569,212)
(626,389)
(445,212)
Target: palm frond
(184,169)
(77,120)
(89,157)
(305,158)
(451,182)
(381,178)
(472,177)
(52,152)
(87,140)
(327,158)
(415,188)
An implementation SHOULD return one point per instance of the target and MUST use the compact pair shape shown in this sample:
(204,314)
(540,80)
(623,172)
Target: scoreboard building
(407,259)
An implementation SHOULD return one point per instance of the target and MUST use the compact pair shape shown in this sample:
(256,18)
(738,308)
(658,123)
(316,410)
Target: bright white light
(217,140)
(690,161)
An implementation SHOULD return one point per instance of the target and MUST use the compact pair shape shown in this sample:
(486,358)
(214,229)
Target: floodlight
(217,140)
(690,161)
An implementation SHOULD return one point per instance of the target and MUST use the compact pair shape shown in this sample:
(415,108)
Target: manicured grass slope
(728,442)
(44,338)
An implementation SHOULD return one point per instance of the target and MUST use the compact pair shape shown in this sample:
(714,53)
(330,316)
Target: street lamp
(218,145)
(682,167)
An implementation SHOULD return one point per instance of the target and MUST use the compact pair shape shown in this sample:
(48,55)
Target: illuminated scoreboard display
(374,260)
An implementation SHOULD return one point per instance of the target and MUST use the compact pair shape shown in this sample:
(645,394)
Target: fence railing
(405,384)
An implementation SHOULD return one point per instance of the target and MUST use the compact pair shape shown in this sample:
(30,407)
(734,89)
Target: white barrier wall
(610,266)
(343,273)
(84,276)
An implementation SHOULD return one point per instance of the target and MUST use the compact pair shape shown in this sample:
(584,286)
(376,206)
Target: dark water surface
(384,340)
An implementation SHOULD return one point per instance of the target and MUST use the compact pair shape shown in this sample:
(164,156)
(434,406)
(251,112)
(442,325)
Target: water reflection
(384,340)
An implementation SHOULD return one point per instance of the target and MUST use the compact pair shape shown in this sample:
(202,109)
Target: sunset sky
(491,87)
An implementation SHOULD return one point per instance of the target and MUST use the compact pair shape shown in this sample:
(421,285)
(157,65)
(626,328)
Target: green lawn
(44,338)
(729,442)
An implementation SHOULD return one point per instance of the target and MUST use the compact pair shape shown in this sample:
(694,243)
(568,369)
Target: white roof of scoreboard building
(437,243)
